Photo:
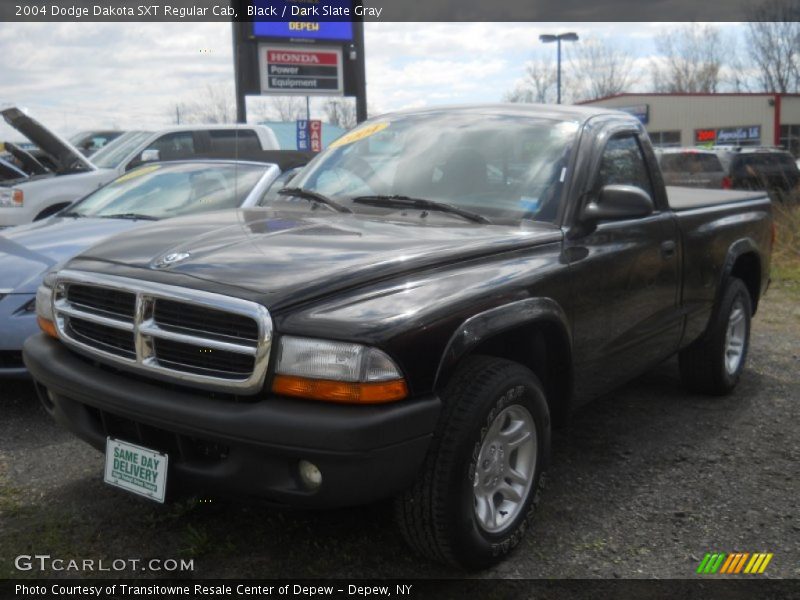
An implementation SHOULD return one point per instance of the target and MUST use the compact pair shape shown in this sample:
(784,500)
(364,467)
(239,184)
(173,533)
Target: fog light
(310,474)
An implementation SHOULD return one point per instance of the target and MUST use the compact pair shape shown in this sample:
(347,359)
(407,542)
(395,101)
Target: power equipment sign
(303,70)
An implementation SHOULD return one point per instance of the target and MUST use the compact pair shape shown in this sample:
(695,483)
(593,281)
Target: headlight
(337,372)
(11,198)
(44,305)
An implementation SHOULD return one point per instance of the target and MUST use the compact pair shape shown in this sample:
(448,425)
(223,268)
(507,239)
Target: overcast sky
(74,76)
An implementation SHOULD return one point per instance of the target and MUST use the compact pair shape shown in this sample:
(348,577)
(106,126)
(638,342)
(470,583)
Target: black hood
(291,256)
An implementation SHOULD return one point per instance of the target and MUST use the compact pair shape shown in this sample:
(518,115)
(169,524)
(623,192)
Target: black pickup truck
(409,319)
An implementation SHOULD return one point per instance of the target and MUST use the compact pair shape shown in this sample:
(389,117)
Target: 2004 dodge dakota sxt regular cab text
(433,293)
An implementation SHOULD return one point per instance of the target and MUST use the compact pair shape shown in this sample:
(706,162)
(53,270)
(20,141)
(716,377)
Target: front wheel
(474,498)
(714,363)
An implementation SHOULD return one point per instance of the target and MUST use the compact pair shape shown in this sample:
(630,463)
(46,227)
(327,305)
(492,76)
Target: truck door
(624,275)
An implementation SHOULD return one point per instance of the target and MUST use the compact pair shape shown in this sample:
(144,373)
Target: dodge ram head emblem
(171,259)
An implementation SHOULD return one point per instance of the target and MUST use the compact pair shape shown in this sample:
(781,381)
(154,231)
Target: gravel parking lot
(643,484)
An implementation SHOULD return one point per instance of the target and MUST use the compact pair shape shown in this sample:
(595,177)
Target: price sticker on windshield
(360,134)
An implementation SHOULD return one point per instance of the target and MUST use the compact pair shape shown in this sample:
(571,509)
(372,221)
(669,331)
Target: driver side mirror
(617,203)
(150,155)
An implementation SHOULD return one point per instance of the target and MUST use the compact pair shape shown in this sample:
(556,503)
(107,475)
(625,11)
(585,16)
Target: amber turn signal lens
(340,391)
(47,326)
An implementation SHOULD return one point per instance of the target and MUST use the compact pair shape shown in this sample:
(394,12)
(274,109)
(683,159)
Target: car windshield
(162,191)
(90,142)
(113,154)
(504,168)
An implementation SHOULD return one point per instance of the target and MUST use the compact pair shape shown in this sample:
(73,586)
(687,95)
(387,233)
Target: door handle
(668,249)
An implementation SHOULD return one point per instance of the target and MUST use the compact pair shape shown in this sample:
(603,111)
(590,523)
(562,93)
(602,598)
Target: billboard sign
(305,70)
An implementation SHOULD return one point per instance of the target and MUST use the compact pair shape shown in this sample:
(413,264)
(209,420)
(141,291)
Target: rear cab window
(230,141)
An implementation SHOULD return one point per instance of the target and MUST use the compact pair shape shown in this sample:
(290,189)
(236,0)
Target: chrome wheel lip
(505,469)
(735,337)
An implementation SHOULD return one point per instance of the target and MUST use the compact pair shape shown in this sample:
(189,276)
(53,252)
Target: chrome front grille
(175,334)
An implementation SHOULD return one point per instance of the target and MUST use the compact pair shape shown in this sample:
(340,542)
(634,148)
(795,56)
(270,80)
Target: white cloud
(77,75)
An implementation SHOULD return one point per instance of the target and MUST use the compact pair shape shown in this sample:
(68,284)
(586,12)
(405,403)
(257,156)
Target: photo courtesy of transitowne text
(356,299)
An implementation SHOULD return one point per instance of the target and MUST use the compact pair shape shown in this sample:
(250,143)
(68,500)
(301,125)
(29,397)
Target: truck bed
(685,198)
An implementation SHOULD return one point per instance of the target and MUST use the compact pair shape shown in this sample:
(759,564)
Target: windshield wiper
(135,216)
(71,213)
(314,197)
(420,203)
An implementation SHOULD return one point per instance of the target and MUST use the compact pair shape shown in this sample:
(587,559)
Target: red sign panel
(705,135)
(296,57)
(315,134)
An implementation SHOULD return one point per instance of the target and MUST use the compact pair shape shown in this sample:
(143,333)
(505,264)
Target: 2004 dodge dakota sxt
(434,292)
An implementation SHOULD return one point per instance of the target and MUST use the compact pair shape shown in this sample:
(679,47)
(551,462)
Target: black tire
(703,363)
(437,516)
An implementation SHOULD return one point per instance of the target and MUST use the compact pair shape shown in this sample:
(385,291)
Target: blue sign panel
(331,20)
(305,30)
(640,111)
(302,135)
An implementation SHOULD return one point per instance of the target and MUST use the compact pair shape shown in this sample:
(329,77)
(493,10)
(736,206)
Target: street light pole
(567,37)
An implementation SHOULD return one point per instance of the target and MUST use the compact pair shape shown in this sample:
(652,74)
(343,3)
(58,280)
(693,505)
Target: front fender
(491,322)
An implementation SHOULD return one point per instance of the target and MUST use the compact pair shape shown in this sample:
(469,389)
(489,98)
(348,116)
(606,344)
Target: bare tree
(737,74)
(538,85)
(287,108)
(773,36)
(341,113)
(691,59)
(217,104)
(600,70)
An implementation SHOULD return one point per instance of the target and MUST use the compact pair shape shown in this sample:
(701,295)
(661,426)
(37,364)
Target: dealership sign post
(282,50)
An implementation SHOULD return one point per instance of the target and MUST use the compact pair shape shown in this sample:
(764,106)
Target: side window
(225,141)
(174,146)
(623,163)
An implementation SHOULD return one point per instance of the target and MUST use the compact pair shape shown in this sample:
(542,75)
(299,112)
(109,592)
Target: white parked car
(69,175)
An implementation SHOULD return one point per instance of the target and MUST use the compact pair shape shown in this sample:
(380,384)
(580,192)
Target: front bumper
(16,326)
(219,446)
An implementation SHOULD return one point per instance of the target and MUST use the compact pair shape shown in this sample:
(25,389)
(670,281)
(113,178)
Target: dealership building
(726,119)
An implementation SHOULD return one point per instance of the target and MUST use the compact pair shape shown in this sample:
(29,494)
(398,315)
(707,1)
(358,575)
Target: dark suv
(771,169)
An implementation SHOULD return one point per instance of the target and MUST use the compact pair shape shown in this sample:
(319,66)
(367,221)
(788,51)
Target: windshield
(505,168)
(115,152)
(162,191)
(90,142)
